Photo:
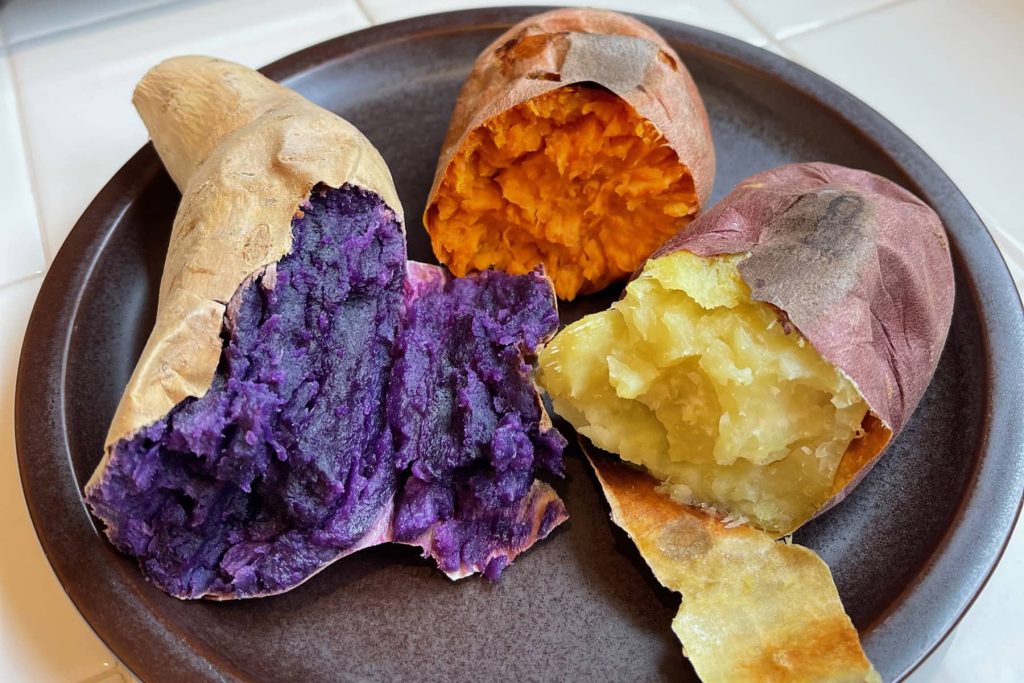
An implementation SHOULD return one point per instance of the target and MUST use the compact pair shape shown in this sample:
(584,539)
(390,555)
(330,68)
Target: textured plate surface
(910,548)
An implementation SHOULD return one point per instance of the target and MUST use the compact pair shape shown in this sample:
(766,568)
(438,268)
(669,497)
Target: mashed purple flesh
(468,423)
(354,404)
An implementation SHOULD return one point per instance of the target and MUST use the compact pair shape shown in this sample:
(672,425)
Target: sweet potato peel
(530,174)
(753,609)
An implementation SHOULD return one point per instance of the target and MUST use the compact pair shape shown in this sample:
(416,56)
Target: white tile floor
(75,88)
(783,19)
(717,15)
(28,19)
(949,78)
(946,71)
(22,255)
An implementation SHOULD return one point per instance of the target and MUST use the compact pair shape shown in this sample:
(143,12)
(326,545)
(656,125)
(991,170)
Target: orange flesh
(573,179)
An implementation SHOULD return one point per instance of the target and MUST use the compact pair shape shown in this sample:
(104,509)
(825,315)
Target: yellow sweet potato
(762,360)
(756,368)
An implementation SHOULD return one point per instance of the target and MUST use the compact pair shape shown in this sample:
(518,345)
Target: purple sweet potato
(307,392)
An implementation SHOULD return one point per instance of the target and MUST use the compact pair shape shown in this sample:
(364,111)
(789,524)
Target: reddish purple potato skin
(860,266)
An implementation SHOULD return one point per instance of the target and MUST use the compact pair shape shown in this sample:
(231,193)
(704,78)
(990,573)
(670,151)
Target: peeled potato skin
(753,609)
(582,47)
(574,179)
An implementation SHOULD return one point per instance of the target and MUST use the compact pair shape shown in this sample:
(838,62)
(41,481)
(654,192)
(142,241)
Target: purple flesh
(352,406)
(467,420)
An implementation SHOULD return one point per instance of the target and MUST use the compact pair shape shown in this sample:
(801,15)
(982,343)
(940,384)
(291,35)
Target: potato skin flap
(753,609)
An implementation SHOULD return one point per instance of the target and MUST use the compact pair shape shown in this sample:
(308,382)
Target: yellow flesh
(689,377)
(574,179)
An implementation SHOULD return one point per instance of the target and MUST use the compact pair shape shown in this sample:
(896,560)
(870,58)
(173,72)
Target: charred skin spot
(668,59)
(522,49)
(810,257)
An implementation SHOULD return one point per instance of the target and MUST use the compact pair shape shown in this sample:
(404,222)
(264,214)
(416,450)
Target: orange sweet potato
(579,142)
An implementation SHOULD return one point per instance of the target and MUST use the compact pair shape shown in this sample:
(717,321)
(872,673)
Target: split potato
(580,142)
(761,360)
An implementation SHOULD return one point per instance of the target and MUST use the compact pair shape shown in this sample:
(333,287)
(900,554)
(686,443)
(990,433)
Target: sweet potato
(756,367)
(764,357)
(580,142)
(306,391)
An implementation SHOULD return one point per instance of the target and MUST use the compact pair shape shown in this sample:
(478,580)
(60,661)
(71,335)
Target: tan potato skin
(567,46)
(245,153)
(753,609)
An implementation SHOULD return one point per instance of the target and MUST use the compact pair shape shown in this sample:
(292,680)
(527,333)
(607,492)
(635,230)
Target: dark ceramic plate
(910,548)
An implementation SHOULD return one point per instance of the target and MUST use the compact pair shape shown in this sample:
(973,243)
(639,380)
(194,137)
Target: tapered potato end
(191,103)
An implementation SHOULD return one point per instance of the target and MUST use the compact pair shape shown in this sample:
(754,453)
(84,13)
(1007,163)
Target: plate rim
(999,466)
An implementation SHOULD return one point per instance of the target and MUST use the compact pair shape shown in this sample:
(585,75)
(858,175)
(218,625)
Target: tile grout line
(768,35)
(57,34)
(779,42)
(9,50)
(856,14)
(361,5)
(21,280)
(29,161)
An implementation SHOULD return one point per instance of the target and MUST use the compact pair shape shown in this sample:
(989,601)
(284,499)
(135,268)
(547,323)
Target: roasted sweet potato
(756,367)
(762,359)
(306,391)
(580,142)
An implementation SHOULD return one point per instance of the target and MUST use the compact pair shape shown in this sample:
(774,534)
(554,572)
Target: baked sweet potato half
(762,359)
(306,391)
(755,368)
(580,142)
